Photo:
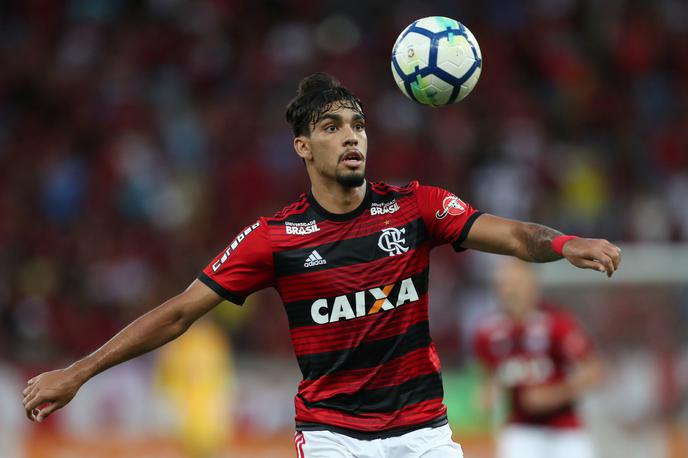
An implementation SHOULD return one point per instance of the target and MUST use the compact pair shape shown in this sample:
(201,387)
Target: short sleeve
(574,344)
(481,348)
(244,267)
(447,217)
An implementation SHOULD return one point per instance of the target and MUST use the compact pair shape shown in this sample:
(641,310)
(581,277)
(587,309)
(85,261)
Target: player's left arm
(533,242)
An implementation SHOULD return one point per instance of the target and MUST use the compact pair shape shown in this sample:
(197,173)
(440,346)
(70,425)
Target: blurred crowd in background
(138,137)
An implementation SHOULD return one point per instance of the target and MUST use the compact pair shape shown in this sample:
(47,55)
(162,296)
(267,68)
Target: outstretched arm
(533,242)
(50,391)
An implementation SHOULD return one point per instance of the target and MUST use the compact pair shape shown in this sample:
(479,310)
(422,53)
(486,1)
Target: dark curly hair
(317,94)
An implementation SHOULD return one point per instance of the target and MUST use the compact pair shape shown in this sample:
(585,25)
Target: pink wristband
(559,241)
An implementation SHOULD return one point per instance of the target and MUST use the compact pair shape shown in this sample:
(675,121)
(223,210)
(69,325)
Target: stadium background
(137,137)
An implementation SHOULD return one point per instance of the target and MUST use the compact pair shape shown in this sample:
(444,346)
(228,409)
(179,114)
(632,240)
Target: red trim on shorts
(299,440)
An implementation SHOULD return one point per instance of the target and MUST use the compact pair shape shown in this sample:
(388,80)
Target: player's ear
(302,146)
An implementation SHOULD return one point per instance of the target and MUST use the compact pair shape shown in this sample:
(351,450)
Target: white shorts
(422,443)
(535,442)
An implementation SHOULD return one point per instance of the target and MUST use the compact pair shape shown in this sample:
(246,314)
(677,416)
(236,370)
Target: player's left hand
(596,254)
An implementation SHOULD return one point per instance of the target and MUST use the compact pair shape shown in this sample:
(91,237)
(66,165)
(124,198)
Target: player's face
(337,147)
(516,287)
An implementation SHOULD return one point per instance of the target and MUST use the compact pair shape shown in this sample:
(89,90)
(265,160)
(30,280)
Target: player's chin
(351,178)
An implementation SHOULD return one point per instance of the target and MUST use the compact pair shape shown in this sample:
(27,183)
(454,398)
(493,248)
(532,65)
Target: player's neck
(336,198)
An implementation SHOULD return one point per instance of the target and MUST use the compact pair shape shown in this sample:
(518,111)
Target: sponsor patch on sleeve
(233,246)
(451,205)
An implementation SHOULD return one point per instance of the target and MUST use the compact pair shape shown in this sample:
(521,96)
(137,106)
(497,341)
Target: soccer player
(543,360)
(350,262)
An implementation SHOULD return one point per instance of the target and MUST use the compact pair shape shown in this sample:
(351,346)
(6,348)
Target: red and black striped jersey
(355,289)
(538,350)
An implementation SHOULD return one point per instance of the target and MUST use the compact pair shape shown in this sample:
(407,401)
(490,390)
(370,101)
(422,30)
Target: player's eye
(360,127)
(331,128)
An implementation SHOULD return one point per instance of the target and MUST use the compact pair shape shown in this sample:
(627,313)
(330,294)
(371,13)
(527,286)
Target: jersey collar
(341,216)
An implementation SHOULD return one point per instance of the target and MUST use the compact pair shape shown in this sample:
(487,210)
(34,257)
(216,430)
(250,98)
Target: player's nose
(350,138)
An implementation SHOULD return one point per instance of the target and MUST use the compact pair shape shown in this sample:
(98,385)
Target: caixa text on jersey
(361,303)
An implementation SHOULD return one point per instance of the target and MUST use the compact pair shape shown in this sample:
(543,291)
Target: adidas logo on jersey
(314,259)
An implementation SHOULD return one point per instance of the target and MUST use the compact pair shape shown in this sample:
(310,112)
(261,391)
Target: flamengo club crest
(452,205)
(392,242)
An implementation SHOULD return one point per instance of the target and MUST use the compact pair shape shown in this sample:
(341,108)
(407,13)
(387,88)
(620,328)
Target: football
(436,61)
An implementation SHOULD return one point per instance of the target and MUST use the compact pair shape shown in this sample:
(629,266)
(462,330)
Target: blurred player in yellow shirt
(196,373)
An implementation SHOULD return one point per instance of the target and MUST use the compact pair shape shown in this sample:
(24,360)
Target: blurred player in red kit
(350,261)
(543,360)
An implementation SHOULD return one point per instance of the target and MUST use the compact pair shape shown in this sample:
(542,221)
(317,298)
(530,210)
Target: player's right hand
(48,392)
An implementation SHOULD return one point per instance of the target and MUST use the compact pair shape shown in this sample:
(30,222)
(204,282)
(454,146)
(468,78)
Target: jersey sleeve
(244,267)
(481,348)
(573,342)
(447,217)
